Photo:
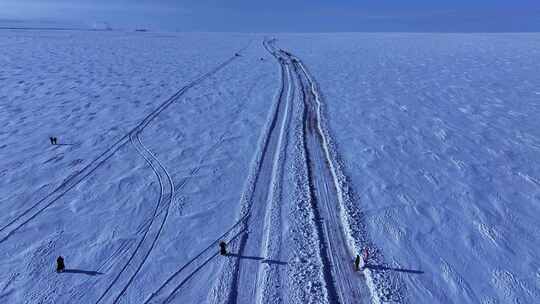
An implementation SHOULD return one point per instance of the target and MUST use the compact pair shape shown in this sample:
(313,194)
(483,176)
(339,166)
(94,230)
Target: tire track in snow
(204,157)
(344,284)
(239,282)
(334,293)
(153,231)
(271,279)
(166,292)
(77,177)
(168,289)
(165,208)
(347,234)
(247,282)
(156,229)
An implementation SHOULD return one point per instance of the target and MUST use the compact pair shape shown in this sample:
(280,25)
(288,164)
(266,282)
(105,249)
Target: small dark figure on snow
(52,140)
(222,248)
(55,141)
(357,263)
(60,266)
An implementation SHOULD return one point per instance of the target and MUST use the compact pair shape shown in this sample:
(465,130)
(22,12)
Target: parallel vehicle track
(251,252)
(349,285)
(246,277)
(150,236)
(239,279)
(344,285)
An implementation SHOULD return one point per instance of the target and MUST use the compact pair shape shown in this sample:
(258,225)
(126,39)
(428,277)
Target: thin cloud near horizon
(302,16)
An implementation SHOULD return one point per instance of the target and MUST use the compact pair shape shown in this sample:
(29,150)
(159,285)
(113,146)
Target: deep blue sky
(286,15)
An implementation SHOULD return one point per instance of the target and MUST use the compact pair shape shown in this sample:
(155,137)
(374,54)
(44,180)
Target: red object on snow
(366,255)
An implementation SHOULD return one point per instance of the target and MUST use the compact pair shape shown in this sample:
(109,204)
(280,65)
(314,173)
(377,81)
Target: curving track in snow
(153,228)
(29,214)
(146,244)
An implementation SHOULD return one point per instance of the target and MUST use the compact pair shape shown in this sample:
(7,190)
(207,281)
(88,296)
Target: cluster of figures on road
(54,140)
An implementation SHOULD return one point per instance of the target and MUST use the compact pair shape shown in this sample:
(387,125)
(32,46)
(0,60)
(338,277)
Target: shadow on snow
(263,260)
(80,271)
(380,267)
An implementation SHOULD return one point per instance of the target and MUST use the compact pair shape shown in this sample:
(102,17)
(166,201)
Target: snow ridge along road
(247,275)
(77,177)
(349,285)
(343,283)
(341,217)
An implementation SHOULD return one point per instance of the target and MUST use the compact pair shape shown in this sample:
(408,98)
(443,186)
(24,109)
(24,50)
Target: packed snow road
(265,193)
(257,270)
(349,283)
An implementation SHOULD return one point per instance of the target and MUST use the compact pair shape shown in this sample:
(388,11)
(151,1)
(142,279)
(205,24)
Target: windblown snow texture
(298,151)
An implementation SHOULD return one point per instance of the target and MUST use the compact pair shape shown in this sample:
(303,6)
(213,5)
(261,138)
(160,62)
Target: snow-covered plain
(300,152)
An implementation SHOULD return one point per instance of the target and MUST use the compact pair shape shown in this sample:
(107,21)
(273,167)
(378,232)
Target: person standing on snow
(222,248)
(60,266)
(365,256)
(357,263)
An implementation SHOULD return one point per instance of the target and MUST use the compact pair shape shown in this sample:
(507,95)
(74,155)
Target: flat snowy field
(299,152)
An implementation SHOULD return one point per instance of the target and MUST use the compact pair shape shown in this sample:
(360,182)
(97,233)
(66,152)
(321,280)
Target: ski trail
(77,177)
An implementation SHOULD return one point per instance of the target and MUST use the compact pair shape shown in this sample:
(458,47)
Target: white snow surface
(299,152)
